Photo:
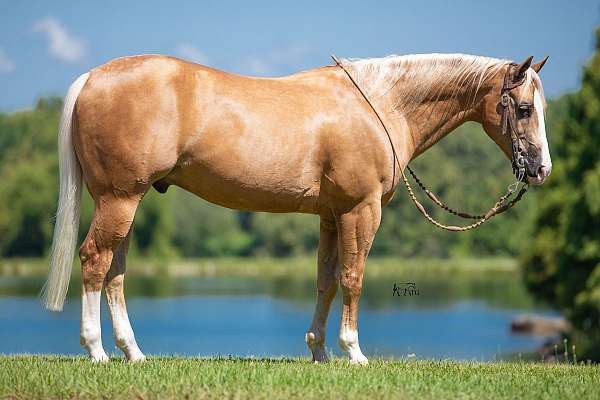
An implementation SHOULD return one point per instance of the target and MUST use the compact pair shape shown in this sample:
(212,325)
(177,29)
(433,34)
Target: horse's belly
(249,188)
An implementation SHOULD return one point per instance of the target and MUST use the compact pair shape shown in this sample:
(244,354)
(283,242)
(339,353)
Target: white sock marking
(124,336)
(90,334)
(349,343)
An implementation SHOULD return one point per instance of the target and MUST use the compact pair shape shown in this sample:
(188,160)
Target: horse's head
(513,116)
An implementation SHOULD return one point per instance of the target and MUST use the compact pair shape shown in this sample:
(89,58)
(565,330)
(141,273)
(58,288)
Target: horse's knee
(351,282)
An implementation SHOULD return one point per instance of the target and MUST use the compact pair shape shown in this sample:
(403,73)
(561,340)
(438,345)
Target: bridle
(510,115)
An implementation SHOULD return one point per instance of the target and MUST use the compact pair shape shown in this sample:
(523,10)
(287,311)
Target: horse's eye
(524,111)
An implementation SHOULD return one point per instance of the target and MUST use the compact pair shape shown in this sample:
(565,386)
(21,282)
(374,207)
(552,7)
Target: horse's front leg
(356,230)
(327,283)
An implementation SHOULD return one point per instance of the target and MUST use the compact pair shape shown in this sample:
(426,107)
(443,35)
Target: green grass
(300,267)
(164,378)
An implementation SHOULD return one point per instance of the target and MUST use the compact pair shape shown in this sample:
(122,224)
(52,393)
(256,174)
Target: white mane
(423,76)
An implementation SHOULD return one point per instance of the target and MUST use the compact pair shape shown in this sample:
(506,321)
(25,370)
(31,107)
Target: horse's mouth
(536,180)
(540,177)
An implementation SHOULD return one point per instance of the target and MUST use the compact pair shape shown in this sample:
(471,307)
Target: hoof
(99,358)
(136,358)
(359,360)
(319,355)
(133,353)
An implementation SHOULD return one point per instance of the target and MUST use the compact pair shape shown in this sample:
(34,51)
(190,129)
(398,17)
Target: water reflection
(497,290)
(460,316)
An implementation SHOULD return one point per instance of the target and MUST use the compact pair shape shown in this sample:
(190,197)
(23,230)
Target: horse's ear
(524,66)
(537,66)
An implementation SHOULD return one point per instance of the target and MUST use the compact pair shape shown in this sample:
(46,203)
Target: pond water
(464,318)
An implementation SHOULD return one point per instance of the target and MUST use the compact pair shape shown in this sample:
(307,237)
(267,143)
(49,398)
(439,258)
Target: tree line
(561,261)
(466,169)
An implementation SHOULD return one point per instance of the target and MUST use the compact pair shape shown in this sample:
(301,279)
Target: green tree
(154,226)
(205,229)
(562,262)
(469,172)
(28,163)
(285,234)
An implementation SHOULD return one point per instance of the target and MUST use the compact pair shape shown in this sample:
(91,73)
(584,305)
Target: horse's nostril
(543,171)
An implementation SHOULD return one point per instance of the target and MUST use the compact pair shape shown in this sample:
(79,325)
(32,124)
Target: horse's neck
(431,122)
(434,94)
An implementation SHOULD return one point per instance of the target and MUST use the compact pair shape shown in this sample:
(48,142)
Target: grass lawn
(163,378)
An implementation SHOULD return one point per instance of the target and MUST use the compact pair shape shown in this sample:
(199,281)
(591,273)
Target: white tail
(69,201)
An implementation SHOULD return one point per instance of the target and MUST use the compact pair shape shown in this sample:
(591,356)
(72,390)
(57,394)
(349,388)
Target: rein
(518,162)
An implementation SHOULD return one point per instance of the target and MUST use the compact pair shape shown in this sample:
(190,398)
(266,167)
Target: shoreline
(258,266)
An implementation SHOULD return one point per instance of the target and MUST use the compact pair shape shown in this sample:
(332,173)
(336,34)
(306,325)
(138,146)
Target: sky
(45,45)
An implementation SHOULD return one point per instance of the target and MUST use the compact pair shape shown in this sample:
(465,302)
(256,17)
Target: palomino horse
(306,143)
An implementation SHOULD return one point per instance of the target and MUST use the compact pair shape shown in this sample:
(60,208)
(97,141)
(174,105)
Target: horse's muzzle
(542,172)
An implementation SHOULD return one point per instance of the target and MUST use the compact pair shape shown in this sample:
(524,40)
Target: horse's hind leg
(327,283)
(113,284)
(112,221)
